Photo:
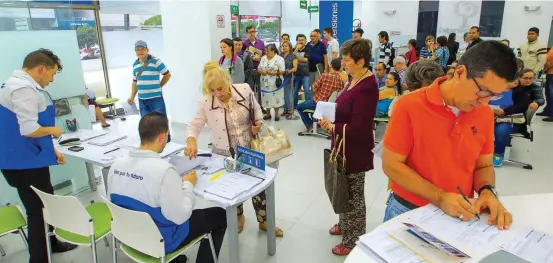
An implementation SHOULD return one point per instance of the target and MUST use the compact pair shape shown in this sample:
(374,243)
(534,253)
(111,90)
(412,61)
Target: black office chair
(529,136)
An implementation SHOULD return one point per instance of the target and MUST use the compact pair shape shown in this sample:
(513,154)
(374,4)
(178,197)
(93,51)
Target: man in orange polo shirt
(441,138)
(548,110)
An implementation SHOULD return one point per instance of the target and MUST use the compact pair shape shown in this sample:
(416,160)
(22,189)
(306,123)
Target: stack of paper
(327,109)
(384,249)
(107,139)
(184,165)
(232,185)
(84,135)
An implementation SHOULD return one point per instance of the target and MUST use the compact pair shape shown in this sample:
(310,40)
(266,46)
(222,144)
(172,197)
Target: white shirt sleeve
(25,107)
(176,199)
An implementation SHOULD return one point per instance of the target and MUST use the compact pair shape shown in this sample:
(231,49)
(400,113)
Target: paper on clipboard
(327,109)
(130,109)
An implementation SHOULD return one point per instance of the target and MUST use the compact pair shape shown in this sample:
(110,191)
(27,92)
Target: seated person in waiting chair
(143,181)
(522,98)
(387,94)
(323,88)
(91,98)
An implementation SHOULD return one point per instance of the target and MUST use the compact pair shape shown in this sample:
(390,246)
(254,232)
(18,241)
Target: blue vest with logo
(18,152)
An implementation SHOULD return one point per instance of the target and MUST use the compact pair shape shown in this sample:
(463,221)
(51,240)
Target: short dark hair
(237,39)
(442,40)
(152,125)
(475,27)
(535,30)
(249,27)
(451,38)
(385,35)
(396,77)
(465,35)
(413,42)
(358,49)
(44,57)
(381,64)
(300,35)
(422,73)
(329,30)
(336,64)
(285,34)
(317,30)
(490,55)
(526,70)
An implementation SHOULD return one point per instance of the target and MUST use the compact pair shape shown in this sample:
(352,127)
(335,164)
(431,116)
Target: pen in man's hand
(466,199)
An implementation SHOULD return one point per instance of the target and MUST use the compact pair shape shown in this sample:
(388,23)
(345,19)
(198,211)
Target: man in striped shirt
(385,49)
(146,82)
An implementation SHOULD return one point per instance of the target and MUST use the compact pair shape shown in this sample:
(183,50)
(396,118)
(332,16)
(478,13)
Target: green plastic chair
(12,220)
(141,239)
(74,223)
(108,103)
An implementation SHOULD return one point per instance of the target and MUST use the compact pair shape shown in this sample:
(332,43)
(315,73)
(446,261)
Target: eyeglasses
(483,93)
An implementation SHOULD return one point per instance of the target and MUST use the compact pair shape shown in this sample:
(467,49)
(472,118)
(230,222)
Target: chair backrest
(137,230)
(65,212)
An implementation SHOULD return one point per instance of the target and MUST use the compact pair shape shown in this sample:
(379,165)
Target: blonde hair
(429,38)
(213,72)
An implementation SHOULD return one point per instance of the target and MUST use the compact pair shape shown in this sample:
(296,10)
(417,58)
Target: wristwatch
(488,187)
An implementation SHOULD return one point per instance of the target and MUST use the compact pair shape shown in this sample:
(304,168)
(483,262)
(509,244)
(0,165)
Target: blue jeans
(549,95)
(287,96)
(299,82)
(394,208)
(501,135)
(308,104)
(153,105)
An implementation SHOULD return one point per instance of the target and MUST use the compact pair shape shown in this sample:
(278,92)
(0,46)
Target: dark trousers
(22,180)
(204,221)
(549,95)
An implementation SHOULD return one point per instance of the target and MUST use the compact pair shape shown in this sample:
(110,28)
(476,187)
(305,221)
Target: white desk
(531,210)
(92,155)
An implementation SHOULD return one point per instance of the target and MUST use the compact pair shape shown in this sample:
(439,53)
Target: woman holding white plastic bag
(226,109)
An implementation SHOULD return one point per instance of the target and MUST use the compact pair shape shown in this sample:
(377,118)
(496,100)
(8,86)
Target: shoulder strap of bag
(146,63)
(344,145)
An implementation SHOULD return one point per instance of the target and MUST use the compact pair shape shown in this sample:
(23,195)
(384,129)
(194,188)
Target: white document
(387,248)
(107,139)
(475,237)
(231,185)
(130,109)
(84,135)
(184,164)
(531,245)
(327,109)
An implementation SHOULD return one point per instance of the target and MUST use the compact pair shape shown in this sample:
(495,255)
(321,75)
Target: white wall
(516,21)
(217,34)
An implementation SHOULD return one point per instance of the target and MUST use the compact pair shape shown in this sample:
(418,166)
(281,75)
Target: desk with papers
(96,155)
(531,230)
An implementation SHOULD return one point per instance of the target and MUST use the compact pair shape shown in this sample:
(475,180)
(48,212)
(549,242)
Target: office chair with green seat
(74,223)
(141,239)
(12,220)
(529,136)
(108,103)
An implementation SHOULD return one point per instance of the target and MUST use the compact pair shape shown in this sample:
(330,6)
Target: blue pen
(205,155)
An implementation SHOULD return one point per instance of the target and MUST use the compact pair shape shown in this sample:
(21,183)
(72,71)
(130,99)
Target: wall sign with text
(337,14)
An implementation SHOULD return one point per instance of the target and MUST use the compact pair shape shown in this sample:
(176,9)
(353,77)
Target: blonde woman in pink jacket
(227,110)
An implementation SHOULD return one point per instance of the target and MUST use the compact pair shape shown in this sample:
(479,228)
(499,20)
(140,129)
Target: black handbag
(336,179)
(278,82)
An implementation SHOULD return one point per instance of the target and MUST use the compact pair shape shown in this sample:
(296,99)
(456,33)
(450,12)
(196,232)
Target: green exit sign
(313,9)
(303,4)
(234,10)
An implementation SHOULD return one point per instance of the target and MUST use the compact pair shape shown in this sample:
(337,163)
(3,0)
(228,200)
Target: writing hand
(456,206)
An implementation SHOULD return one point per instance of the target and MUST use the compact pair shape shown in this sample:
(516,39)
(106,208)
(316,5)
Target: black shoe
(541,113)
(548,119)
(61,247)
(181,259)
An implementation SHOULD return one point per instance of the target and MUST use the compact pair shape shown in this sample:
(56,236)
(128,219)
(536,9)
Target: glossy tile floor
(303,210)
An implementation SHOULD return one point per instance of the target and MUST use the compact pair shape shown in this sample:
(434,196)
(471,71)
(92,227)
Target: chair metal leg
(93,246)
(48,244)
(106,241)
(2,251)
(210,238)
(24,237)
(519,164)
(114,247)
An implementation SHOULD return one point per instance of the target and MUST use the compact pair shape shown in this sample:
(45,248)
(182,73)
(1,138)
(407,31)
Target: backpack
(392,55)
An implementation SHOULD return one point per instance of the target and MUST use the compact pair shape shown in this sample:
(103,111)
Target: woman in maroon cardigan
(356,107)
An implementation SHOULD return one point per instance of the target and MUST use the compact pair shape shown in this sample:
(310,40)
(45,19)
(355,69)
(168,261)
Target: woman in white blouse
(271,68)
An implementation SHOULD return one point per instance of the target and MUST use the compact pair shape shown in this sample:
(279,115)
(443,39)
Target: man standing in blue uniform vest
(28,122)
(146,82)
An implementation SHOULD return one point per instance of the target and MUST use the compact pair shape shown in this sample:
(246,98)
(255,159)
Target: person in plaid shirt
(323,89)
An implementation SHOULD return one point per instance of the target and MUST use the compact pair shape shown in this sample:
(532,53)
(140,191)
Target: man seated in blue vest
(143,181)
(28,120)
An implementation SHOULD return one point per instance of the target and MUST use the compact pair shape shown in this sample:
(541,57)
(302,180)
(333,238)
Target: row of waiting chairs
(86,226)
